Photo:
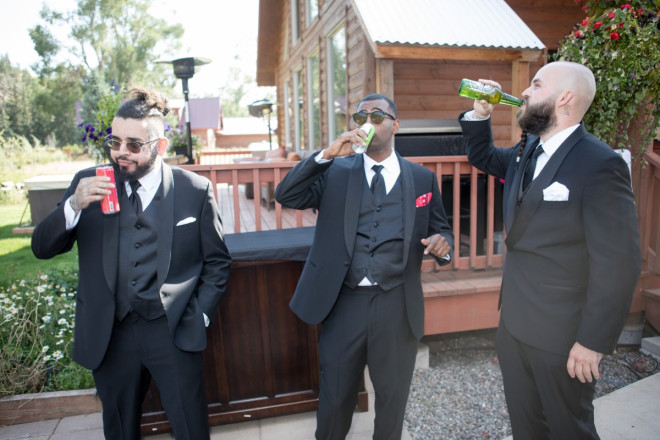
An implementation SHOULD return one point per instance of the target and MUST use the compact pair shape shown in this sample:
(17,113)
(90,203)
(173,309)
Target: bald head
(577,78)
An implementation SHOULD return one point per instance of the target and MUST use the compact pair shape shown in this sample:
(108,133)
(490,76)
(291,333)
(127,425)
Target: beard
(140,169)
(537,119)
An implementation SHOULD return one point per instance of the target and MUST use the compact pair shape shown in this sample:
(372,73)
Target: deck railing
(649,212)
(466,191)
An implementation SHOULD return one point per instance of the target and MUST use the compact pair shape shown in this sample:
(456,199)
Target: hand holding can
(110,203)
(369,130)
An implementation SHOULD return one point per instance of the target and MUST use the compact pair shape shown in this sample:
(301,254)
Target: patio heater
(184,69)
(259,109)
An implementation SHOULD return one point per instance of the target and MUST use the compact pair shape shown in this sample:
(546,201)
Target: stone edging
(25,408)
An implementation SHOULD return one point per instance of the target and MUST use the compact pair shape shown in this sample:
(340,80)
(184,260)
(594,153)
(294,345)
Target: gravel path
(461,395)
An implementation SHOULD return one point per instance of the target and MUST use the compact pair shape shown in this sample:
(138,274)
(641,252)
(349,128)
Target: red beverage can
(110,203)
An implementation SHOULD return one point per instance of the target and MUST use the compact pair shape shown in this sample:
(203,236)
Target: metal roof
(464,23)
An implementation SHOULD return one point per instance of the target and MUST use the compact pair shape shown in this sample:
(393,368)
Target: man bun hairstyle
(144,103)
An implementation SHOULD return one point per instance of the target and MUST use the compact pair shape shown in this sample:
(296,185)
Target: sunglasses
(376,117)
(132,146)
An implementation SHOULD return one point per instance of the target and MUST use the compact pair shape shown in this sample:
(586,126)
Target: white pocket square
(555,193)
(185,221)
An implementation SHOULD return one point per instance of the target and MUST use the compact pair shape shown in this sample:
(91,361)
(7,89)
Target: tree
(16,89)
(116,39)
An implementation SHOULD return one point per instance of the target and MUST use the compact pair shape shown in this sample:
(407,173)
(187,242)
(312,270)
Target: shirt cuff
(319,158)
(207,321)
(70,215)
(471,116)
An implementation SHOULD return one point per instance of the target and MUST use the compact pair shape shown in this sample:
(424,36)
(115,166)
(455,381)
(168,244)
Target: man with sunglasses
(150,276)
(378,215)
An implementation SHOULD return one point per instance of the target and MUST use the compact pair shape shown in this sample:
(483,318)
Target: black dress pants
(544,402)
(367,326)
(138,351)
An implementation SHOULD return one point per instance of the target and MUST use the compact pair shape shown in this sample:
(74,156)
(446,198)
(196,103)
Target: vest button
(375,224)
(137,245)
(138,226)
(133,283)
(378,208)
(135,264)
(371,254)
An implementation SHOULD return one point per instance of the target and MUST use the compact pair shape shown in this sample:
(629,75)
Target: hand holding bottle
(482,108)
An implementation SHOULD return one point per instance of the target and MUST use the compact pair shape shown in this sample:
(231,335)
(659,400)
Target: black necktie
(531,166)
(377,183)
(135,198)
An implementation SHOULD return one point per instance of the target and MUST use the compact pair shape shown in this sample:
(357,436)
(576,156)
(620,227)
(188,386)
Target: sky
(218,30)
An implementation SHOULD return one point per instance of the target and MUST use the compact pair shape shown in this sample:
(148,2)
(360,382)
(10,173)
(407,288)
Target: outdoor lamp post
(259,109)
(184,69)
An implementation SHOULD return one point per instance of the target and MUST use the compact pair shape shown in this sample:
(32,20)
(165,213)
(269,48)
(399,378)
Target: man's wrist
(472,115)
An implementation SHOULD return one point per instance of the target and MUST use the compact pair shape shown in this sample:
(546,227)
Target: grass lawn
(16,259)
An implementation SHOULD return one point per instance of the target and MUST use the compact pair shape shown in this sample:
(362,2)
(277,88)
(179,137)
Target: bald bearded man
(573,255)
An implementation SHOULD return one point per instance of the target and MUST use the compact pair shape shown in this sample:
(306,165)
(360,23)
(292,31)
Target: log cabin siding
(422,88)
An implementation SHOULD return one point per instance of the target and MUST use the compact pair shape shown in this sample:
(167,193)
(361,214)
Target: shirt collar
(152,179)
(552,144)
(390,165)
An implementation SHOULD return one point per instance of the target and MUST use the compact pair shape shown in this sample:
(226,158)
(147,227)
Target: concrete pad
(92,434)
(44,428)
(289,427)
(422,360)
(85,422)
(630,412)
(651,346)
(237,431)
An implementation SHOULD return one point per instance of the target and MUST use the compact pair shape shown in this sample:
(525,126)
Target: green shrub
(36,333)
(16,152)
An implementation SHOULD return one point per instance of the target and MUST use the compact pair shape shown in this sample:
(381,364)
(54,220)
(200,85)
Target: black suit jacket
(193,262)
(335,189)
(571,265)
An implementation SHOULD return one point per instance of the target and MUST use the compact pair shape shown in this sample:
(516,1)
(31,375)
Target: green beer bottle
(492,95)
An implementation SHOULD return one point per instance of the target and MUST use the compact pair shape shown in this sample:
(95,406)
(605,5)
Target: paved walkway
(291,427)
(630,413)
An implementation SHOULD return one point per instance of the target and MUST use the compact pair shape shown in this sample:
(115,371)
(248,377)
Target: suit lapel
(408,189)
(534,194)
(353,197)
(165,224)
(516,182)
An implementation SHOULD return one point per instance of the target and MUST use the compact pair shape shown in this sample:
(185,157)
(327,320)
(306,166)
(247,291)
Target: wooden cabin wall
(550,20)
(428,89)
(422,88)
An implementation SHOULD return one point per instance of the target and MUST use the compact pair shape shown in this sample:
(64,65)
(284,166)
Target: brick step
(446,283)
(652,293)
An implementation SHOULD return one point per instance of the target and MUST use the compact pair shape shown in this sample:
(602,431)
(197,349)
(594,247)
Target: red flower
(598,24)
(578,34)
(611,14)
(614,35)
(626,6)
(620,25)
(585,22)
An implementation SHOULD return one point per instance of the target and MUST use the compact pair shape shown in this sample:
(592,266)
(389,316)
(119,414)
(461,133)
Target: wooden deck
(247,210)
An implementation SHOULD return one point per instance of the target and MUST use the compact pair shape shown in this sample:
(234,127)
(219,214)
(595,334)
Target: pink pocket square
(423,200)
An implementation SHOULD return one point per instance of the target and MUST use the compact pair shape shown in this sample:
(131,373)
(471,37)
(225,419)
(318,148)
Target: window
(288,110)
(336,68)
(314,101)
(298,115)
(295,35)
(312,11)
